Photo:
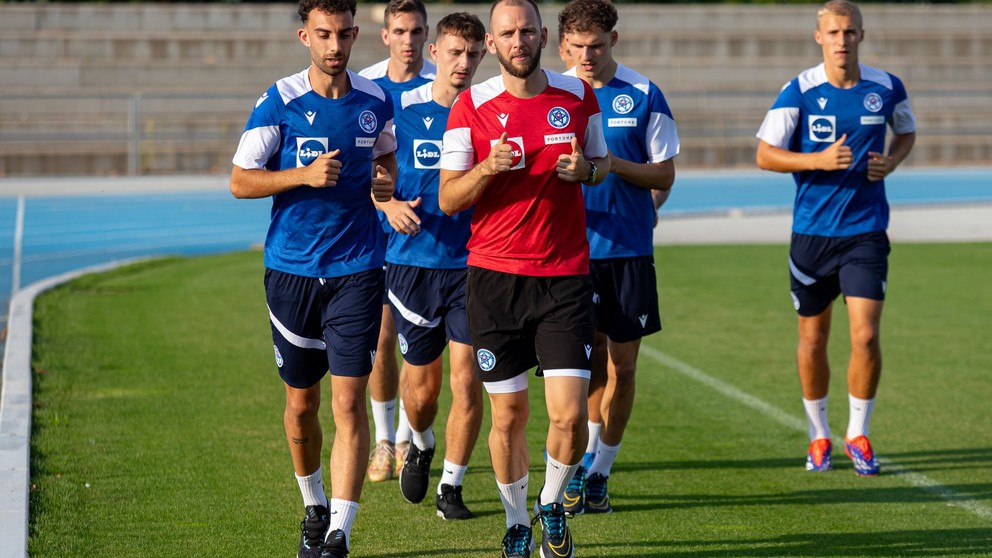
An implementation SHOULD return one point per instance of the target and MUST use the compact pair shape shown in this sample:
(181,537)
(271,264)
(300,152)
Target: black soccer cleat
(556,538)
(335,546)
(518,542)
(415,476)
(312,531)
(450,504)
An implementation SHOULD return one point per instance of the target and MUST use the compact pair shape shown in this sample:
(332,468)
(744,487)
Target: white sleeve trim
(256,147)
(778,127)
(595,144)
(457,152)
(903,120)
(386,142)
(662,138)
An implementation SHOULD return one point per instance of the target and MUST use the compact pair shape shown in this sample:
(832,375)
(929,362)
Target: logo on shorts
(487,360)
(795,301)
(404,346)
(643,318)
(622,104)
(368,121)
(588,350)
(558,117)
(873,102)
(279,360)
(372,354)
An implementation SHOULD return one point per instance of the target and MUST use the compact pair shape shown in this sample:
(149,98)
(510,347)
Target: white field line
(918,480)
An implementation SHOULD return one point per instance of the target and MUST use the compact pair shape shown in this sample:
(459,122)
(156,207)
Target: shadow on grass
(959,542)
(435,552)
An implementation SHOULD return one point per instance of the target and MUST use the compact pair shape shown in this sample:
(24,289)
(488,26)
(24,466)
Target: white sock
(816,418)
(556,478)
(403,430)
(514,497)
(342,516)
(594,429)
(423,440)
(312,488)
(861,409)
(451,474)
(605,456)
(383,415)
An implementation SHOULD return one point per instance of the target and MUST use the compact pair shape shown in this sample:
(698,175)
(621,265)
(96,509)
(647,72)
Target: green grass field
(158,423)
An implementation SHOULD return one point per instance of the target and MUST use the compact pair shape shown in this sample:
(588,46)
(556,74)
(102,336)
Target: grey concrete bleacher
(166,88)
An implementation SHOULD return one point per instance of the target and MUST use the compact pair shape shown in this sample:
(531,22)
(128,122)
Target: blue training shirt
(809,115)
(639,127)
(331,231)
(440,244)
(377,73)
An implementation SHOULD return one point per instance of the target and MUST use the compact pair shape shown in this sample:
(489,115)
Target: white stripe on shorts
(799,275)
(567,372)
(301,342)
(513,385)
(411,316)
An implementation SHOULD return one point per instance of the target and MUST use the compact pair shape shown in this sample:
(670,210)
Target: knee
(509,421)
(570,421)
(302,406)
(348,407)
(865,338)
(813,344)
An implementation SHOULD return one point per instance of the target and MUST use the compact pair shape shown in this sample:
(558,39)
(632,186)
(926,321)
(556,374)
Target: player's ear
(304,36)
(354,32)
(614,36)
(384,33)
(490,43)
(432,48)
(544,37)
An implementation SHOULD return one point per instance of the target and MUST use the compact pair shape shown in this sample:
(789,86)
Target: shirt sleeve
(661,134)
(903,120)
(261,138)
(457,151)
(594,146)
(782,119)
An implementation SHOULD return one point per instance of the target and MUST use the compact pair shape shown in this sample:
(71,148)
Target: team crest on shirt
(822,128)
(558,117)
(516,150)
(308,149)
(404,346)
(622,104)
(368,121)
(487,360)
(426,154)
(873,102)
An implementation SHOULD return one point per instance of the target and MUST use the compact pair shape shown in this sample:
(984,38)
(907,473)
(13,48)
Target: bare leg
(351,437)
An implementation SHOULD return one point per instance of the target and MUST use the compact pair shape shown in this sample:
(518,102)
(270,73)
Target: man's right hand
(500,157)
(837,156)
(324,170)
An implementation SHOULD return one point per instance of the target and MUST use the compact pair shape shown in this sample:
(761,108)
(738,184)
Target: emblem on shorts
(643,318)
(795,300)
(873,102)
(487,360)
(367,121)
(588,349)
(372,354)
(404,346)
(622,104)
(279,360)
(558,117)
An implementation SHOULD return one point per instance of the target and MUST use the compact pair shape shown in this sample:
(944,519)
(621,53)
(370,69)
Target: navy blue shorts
(823,267)
(428,308)
(517,322)
(626,297)
(321,324)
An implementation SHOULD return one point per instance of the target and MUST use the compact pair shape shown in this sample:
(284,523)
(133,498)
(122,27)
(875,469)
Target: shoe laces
(578,481)
(419,459)
(451,494)
(552,518)
(596,487)
(517,540)
(313,527)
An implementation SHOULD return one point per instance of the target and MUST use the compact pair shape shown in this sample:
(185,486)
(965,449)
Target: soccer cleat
(556,539)
(518,542)
(415,476)
(575,493)
(381,462)
(401,450)
(597,495)
(336,546)
(818,458)
(312,531)
(450,504)
(860,452)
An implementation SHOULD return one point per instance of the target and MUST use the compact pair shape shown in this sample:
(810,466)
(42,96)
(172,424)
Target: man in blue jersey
(321,144)
(620,217)
(425,277)
(828,128)
(404,33)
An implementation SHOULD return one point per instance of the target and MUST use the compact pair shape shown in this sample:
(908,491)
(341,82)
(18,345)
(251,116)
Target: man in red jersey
(518,147)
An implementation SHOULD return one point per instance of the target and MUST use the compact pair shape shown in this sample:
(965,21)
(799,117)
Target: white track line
(918,480)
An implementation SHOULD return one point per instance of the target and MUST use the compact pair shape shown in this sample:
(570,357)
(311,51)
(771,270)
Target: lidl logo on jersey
(516,150)
(558,118)
(426,154)
(308,149)
(822,128)
(622,104)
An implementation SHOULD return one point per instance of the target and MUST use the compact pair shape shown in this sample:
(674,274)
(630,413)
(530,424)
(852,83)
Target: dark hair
(532,3)
(403,7)
(461,24)
(587,16)
(327,6)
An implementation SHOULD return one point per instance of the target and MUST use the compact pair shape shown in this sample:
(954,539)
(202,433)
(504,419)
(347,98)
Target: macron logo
(428,121)
(822,101)
(588,350)
(310,116)
(643,318)
(503,118)
(262,99)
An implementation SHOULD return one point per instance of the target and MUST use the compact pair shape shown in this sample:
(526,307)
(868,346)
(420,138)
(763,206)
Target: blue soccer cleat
(860,452)
(818,458)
